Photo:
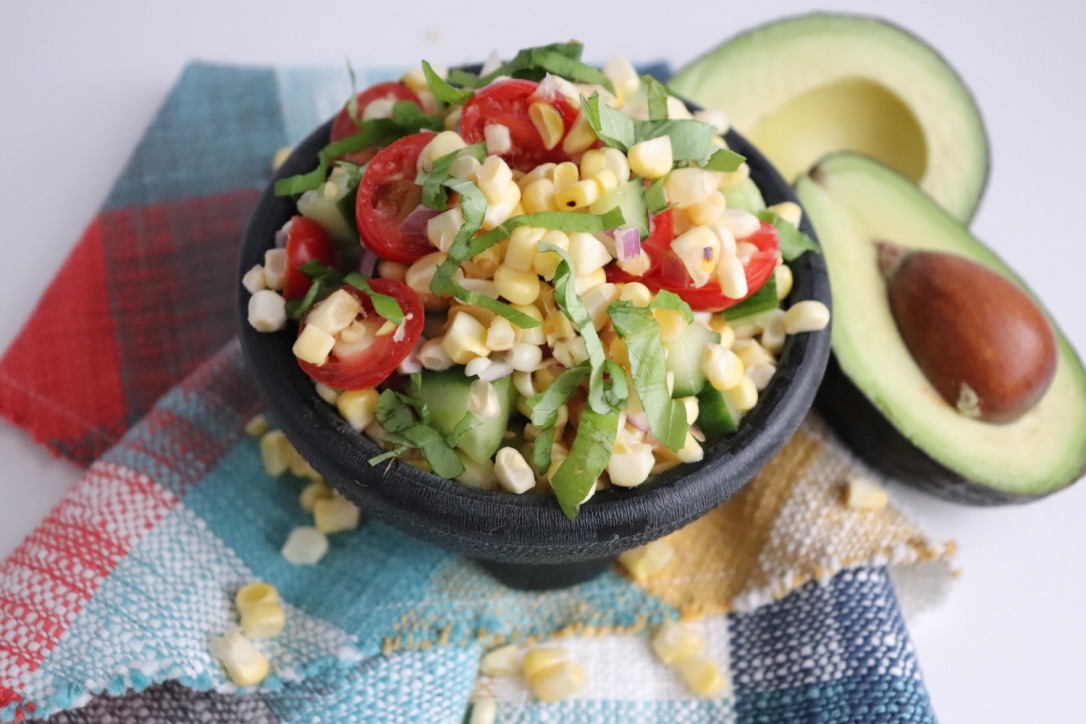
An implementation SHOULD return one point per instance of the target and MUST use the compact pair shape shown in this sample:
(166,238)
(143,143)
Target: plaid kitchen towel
(107,607)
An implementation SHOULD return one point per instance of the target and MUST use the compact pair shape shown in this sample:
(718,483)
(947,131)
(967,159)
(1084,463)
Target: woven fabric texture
(107,607)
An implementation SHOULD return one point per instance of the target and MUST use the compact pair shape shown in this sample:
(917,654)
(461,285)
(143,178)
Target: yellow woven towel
(789,526)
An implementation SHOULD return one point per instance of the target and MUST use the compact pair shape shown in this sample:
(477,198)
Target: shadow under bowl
(525,540)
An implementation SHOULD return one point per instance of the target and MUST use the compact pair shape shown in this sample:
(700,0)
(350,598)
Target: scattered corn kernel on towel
(106,609)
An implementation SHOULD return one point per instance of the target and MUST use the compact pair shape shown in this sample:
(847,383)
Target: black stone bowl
(525,540)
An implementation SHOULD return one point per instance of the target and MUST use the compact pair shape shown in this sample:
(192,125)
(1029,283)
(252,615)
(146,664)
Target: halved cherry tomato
(668,272)
(506,103)
(306,240)
(378,360)
(344,126)
(387,194)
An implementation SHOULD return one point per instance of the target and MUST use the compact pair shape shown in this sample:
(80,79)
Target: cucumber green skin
(716,416)
(631,200)
(684,355)
(746,196)
(446,396)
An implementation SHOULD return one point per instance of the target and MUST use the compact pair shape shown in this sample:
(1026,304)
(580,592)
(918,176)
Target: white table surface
(80,81)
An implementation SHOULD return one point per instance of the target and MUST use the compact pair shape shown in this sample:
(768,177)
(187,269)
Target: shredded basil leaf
(433,181)
(724,159)
(326,280)
(655,198)
(793,242)
(561,59)
(388,455)
(761,301)
(442,89)
(657,98)
(396,416)
(588,458)
(541,450)
(502,309)
(383,304)
(565,295)
(469,421)
(545,404)
(473,208)
(670,300)
(648,367)
(611,125)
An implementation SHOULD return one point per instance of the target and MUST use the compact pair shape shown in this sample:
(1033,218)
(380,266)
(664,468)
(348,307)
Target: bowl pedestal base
(546,576)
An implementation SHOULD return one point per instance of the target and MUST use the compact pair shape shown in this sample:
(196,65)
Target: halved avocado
(875,394)
(806,86)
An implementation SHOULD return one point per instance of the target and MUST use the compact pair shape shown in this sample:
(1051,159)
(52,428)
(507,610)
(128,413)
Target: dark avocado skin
(873,439)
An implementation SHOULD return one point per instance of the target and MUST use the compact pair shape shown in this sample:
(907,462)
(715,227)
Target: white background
(80,81)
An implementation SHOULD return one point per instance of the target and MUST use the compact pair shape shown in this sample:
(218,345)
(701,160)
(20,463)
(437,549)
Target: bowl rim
(497,525)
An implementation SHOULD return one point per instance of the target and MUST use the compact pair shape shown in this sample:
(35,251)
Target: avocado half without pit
(946,373)
(806,86)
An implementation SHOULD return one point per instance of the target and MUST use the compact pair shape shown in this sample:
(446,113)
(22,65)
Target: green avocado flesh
(854,201)
(806,86)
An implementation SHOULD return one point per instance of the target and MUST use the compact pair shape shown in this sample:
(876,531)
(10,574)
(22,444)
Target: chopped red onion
(639,420)
(282,234)
(697,433)
(367,262)
(627,243)
(416,221)
(547,90)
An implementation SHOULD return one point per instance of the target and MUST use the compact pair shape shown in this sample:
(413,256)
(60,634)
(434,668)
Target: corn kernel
(863,493)
(761,374)
(578,195)
(483,399)
(326,393)
(335,514)
(790,211)
(519,287)
(571,352)
(421,272)
(674,642)
(773,334)
(548,121)
(647,560)
(708,210)
(520,254)
(691,451)
(583,283)
(257,426)
(280,157)
(267,311)
(622,76)
(542,171)
(512,470)
(465,339)
(275,268)
(253,280)
(432,355)
(651,159)
(542,658)
(558,682)
(699,250)
(743,396)
(263,621)
(464,167)
(305,546)
(539,196)
(442,229)
(276,452)
(252,594)
(442,144)
(494,177)
(731,276)
(244,663)
(596,302)
(671,322)
(497,213)
(565,174)
(502,661)
(524,357)
(630,464)
(311,493)
(751,353)
(484,710)
(497,138)
(357,406)
(700,675)
(545,263)
(783,278)
(686,186)
(530,335)
(415,79)
(500,336)
(636,293)
(580,135)
(740,223)
(477,474)
(806,316)
(587,253)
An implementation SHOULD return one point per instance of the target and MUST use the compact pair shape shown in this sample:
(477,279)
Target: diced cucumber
(744,195)
(333,208)
(684,356)
(630,197)
(717,416)
(446,396)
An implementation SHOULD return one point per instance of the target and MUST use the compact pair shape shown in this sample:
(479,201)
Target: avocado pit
(982,342)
